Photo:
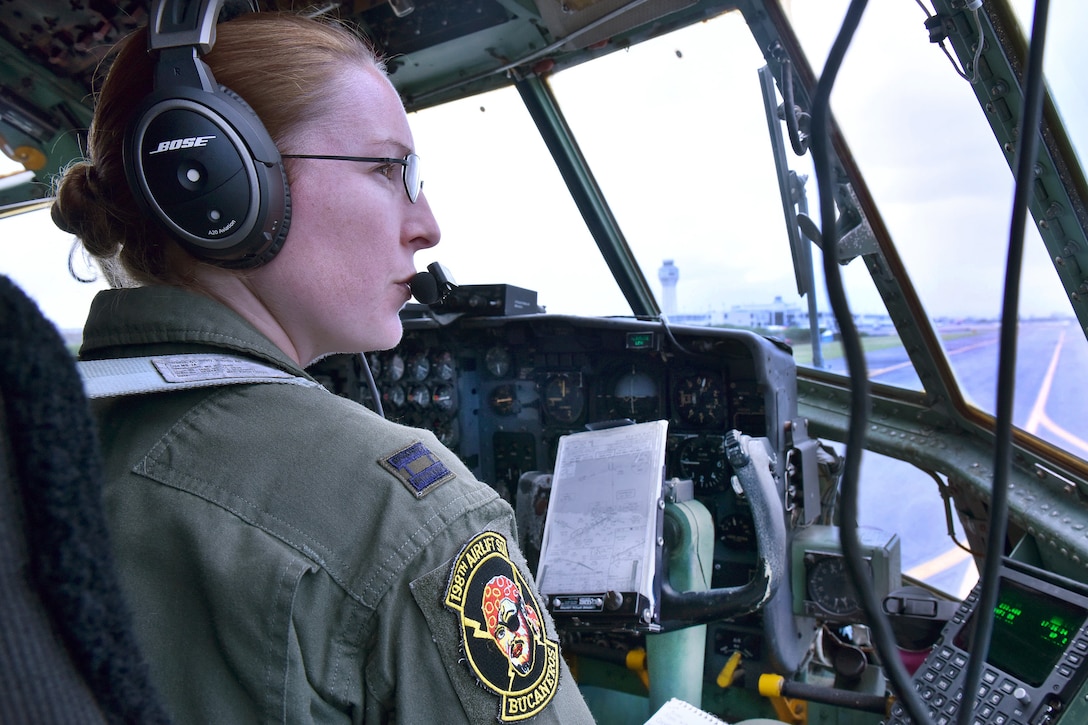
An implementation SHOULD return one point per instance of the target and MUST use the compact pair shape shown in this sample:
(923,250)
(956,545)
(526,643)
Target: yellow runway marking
(1038,417)
(899,366)
(970,579)
(938,564)
(1038,411)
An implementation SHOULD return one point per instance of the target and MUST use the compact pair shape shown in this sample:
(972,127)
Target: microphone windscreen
(424,288)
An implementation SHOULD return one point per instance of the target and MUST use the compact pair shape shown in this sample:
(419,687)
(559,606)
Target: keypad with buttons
(1001,698)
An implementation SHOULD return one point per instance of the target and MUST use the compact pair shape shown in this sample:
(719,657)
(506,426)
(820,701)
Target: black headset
(196,155)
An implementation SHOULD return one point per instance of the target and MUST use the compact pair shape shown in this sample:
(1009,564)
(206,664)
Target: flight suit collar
(162,320)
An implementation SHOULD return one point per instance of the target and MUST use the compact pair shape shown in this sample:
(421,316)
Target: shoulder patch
(502,634)
(417,468)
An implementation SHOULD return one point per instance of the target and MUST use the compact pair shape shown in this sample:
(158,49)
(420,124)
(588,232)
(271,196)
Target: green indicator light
(640,340)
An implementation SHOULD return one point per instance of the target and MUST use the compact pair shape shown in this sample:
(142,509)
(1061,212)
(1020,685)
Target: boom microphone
(432,286)
(424,288)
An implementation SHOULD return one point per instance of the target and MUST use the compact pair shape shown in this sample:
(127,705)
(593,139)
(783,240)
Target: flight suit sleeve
(496,642)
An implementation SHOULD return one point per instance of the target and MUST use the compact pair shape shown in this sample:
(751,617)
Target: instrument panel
(500,392)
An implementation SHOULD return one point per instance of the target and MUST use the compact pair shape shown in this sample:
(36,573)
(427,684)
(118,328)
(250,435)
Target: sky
(942,184)
(505,217)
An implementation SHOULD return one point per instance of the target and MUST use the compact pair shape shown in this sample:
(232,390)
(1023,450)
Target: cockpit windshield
(1064,54)
(676,133)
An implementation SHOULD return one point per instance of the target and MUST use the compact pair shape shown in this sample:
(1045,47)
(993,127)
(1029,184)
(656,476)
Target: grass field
(832,350)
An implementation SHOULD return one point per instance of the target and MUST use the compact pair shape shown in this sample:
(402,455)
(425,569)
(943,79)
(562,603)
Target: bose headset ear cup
(201,163)
(279,234)
(273,179)
(279,196)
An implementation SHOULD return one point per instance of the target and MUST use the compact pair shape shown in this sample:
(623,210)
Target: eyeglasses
(412,183)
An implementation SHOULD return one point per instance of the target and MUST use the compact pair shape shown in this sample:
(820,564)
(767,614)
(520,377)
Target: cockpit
(770,252)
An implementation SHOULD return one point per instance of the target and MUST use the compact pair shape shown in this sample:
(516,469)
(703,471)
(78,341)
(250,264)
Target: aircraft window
(928,553)
(676,134)
(505,214)
(1064,53)
(35,255)
(680,147)
(945,196)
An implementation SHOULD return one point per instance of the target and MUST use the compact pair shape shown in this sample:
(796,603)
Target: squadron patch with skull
(502,632)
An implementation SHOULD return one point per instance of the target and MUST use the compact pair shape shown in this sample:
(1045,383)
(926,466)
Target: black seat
(67,652)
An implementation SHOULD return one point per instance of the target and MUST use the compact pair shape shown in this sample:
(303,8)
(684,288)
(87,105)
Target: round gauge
(504,400)
(702,459)
(419,395)
(737,532)
(375,363)
(634,395)
(564,399)
(443,397)
(394,367)
(417,367)
(634,388)
(448,432)
(829,585)
(700,400)
(394,396)
(497,360)
(515,453)
(442,366)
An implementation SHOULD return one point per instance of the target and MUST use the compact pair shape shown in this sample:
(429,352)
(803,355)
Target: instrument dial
(633,393)
(418,367)
(504,400)
(737,532)
(829,585)
(443,397)
(564,399)
(394,396)
(702,459)
(394,367)
(448,432)
(700,400)
(420,396)
(443,366)
(375,362)
(497,360)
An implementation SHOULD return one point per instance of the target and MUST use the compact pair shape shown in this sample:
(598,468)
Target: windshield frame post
(552,126)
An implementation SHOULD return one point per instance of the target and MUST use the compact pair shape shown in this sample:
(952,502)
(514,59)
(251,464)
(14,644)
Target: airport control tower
(668,274)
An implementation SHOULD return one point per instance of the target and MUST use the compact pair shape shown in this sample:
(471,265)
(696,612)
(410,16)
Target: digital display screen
(641,341)
(1031,631)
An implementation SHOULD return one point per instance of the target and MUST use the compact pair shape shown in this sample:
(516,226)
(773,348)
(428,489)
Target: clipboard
(600,557)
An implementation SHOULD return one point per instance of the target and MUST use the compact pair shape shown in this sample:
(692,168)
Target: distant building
(775,314)
(668,274)
(781,314)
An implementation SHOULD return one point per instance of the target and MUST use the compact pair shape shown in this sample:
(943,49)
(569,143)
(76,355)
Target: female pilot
(289,555)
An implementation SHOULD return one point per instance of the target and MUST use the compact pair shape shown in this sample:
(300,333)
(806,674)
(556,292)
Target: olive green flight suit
(292,557)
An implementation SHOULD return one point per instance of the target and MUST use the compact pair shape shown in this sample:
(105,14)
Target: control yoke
(751,463)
